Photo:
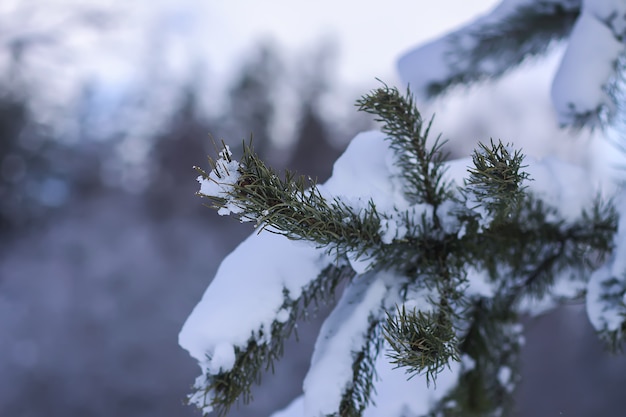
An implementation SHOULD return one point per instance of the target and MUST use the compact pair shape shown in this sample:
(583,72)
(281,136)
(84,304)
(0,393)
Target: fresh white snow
(221,180)
(342,334)
(586,68)
(246,294)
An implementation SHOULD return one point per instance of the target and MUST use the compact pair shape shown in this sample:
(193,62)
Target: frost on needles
(439,260)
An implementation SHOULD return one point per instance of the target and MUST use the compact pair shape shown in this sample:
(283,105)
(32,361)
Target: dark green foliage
(496,178)
(421,164)
(490,224)
(295,207)
(490,368)
(421,342)
(535,244)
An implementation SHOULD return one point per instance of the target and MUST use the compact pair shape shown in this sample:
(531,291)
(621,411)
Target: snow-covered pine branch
(439,258)
(586,86)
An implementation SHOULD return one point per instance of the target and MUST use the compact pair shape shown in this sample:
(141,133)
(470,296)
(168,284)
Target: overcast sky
(370,35)
(173,41)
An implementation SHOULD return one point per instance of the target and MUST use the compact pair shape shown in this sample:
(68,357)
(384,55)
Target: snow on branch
(583,87)
(438,257)
(587,84)
(342,373)
(606,291)
(238,329)
(219,182)
(489,46)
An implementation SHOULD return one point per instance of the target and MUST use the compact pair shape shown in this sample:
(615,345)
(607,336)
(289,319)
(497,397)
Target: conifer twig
(422,165)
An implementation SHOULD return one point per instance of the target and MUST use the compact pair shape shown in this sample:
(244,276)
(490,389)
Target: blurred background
(105,107)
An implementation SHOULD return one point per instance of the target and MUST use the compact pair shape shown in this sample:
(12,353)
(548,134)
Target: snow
(272,264)
(223,358)
(446,212)
(468,362)
(221,181)
(342,334)
(365,172)
(479,283)
(587,66)
(392,229)
(359,264)
(425,66)
(504,375)
(394,395)
(611,11)
(552,179)
(283,315)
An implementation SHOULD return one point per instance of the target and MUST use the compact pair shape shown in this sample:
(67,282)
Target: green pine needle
(421,342)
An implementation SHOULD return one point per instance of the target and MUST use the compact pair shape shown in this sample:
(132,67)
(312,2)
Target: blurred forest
(105,249)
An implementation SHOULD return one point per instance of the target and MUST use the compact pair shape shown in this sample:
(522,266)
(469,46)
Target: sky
(166,36)
(370,35)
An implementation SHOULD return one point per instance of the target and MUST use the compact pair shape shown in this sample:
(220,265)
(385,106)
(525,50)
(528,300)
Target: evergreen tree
(172,154)
(439,259)
(251,98)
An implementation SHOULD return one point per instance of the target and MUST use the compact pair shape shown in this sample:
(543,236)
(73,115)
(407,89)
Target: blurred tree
(13,166)
(251,101)
(314,151)
(37,163)
(173,156)
(35,169)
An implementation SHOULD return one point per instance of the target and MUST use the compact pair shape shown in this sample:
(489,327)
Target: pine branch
(358,395)
(610,314)
(221,391)
(421,342)
(490,365)
(495,180)
(527,31)
(491,224)
(422,165)
(295,208)
(524,237)
(534,245)
(416,255)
